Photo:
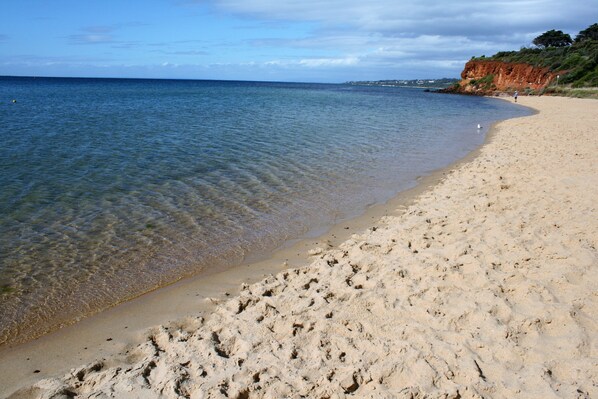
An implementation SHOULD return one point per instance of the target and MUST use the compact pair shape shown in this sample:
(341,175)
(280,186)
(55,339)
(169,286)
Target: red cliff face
(488,77)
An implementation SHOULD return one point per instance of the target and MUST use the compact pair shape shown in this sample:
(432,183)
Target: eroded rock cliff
(489,77)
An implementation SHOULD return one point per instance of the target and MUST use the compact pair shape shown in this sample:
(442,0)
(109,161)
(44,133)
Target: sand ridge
(485,287)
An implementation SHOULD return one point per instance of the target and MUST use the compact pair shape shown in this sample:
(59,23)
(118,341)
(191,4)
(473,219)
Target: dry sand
(486,286)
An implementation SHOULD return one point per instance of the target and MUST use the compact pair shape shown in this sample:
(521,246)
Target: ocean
(110,188)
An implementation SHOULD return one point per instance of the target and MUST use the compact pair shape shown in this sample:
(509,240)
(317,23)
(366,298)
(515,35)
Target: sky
(271,40)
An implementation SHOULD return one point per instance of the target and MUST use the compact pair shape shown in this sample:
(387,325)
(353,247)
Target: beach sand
(485,286)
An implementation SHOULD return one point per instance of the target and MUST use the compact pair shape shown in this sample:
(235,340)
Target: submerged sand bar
(486,286)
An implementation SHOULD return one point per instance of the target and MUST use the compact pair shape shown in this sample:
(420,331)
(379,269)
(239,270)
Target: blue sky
(273,40)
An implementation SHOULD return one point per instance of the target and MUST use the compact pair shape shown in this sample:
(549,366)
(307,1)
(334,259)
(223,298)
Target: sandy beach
(485,286)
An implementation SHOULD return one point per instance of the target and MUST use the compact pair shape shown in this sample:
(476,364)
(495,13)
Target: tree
(553,38)
(591,33)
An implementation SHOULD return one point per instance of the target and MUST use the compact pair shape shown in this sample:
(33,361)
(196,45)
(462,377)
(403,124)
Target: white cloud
(90,38)
(415,17)
(315,62)
(101,34)
(320,62)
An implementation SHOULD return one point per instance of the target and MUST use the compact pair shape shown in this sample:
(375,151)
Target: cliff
(482,77)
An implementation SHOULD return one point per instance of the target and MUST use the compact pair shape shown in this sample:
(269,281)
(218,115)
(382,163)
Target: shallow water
(111,187)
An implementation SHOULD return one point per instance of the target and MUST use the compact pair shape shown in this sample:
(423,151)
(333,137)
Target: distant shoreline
(411,83)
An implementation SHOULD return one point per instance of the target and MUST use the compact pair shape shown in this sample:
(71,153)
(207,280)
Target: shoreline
(357,271)
(112,330)
(203,233)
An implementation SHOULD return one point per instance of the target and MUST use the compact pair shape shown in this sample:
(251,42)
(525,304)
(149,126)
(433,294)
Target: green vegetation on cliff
(577,63)
(485,83)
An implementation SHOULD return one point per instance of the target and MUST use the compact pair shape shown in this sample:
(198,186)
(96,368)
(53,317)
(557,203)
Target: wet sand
(482,286)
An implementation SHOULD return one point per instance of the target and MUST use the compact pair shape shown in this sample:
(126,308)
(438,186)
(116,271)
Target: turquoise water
(111,187)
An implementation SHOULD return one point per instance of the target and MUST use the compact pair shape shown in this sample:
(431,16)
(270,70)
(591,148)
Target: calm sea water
(112,187)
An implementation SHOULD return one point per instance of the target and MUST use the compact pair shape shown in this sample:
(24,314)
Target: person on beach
(515,95)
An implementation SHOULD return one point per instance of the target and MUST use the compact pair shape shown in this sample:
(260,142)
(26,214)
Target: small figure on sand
(515,95)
